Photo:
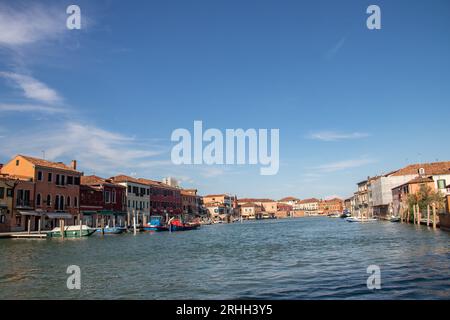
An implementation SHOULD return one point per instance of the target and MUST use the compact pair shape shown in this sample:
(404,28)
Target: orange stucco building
(56,191)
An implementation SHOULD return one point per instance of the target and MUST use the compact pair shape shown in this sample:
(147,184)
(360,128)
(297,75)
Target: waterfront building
(284,211)
(291,201)
(17,204)
(192,203)
(226,202)
(56,190)
(251,210)
(137,198)
(269,206)
(448,198)
(333,205)
(164,199)
(348,204)
(380,200)
(401,192)
(102,201)
(310,206)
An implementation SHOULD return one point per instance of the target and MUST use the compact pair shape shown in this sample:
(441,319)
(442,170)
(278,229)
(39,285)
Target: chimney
(1,166)
(73,164)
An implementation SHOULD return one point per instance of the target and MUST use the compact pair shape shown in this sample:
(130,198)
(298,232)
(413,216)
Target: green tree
(425,197)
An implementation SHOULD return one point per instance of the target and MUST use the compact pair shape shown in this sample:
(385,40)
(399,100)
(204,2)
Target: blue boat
(155,224)
(111,230)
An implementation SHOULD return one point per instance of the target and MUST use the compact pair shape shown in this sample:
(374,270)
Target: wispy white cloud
(27,23)
(32,88)
(30,108)
(97,150)
(335,49)
(345,164)
(335,136)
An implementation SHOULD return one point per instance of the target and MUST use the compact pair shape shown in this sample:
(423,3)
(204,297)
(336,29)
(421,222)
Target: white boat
(359,219)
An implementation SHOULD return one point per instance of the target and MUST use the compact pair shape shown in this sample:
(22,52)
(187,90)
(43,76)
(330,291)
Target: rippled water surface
(306,258)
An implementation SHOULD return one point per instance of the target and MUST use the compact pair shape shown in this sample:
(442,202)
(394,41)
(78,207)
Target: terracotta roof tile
(48,164)
(433,168)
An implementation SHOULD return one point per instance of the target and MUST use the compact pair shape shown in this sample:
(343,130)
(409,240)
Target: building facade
(56,190)
(102,202)
(137,195)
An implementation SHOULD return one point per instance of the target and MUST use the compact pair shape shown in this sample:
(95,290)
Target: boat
(72,232)
(359,219)
(345,214)
(334,215)
(178,225)
(111,230)
(394,219)
(155,224)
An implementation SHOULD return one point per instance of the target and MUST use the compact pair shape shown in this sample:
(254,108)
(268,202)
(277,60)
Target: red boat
(178,225)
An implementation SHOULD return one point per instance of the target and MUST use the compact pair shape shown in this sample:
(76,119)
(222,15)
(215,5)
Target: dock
(24,235)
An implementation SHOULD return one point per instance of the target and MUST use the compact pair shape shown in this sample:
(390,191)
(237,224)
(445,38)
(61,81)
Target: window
(128,203)
(38,199)
(17,162)
(57,180)
(69,180)
(2,192)
(56,202)
(113,196)
(77,181)
(68,201)
(39,175)
(441,184)
(9,192)
(63,180)
(129,189)
(107,197)
(75,202)
(2,218)
(49,200)
(148,192)
(49,177)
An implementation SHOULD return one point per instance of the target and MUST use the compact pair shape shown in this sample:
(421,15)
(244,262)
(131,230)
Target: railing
(23,203)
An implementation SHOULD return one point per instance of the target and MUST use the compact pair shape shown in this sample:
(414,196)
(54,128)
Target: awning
(111,213)
(88,213)
(59,215)
(31,213)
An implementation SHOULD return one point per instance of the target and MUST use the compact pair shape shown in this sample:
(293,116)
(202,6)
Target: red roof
(433,168)
(48,164)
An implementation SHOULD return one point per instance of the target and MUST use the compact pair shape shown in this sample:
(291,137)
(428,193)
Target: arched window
(38,199)
(57,202)
(68,201)
(49,200)
(75,202)
(61,203)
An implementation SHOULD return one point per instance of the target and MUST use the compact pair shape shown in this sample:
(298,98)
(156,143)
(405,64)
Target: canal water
(306,258)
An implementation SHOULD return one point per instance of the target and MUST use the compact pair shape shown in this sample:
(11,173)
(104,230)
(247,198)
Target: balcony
(23,204)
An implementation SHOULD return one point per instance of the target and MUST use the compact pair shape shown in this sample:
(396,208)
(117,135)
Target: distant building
(164,199)
(137,198)
(101,200)
(292,201)
(309,206)
(192,203)
(250,211)
(269,206)
(334,205)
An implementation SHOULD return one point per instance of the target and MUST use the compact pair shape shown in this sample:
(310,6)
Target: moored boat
(111,230)
(359,219)
(178,225)
(155,224)
(394,219)
(71,232)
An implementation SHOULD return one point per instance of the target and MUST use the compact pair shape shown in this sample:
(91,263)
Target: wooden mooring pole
(428,215)
(434,216)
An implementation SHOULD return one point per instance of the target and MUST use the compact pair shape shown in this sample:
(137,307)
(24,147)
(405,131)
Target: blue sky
(349,102)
